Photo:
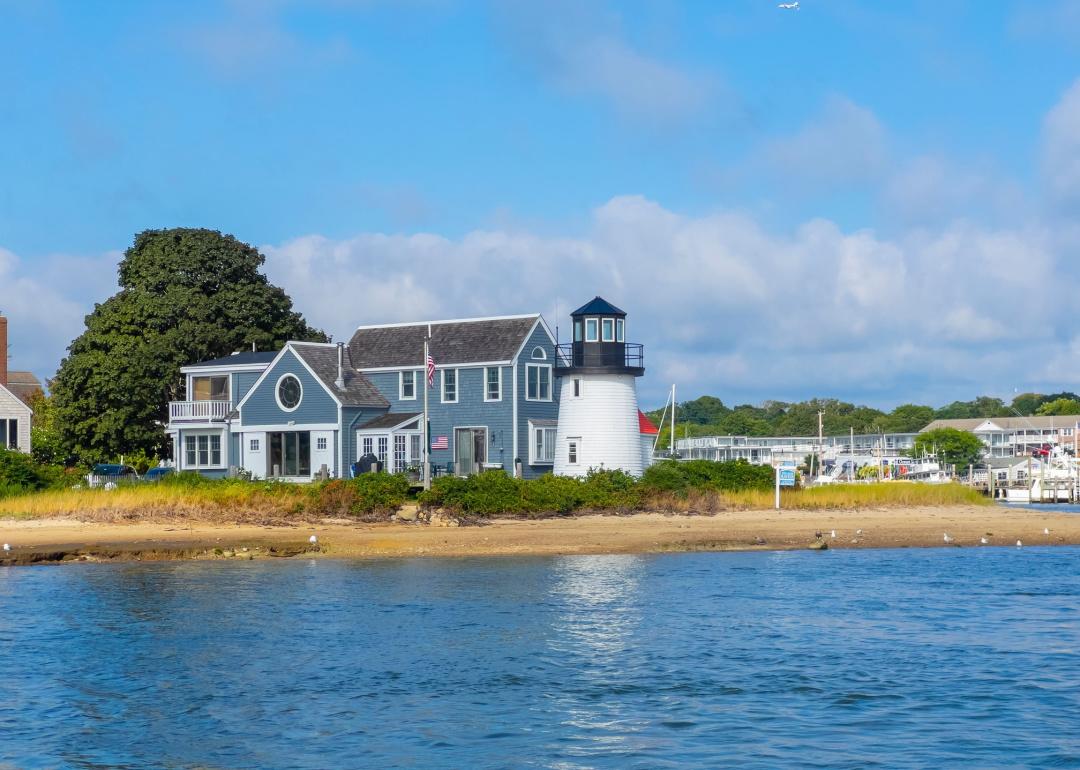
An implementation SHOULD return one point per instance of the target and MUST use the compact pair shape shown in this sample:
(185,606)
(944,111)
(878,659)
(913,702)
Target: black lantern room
(598,343)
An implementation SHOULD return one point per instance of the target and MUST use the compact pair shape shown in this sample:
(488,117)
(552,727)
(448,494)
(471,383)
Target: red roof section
(645,425)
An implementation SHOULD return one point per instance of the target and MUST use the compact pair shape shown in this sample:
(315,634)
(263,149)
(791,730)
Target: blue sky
(874,201)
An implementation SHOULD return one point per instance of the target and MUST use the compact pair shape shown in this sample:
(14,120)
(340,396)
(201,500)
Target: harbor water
(892,658)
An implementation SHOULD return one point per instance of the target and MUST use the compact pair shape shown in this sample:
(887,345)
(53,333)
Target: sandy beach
(56,540)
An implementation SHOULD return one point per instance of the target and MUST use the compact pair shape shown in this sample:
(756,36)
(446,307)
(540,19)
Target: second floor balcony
(199,411)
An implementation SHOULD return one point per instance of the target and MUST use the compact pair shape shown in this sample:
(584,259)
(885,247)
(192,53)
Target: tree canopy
(186,295)
(951,446)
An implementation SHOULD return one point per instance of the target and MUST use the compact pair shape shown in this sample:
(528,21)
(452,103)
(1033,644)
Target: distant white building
(1017,436)
(14,413)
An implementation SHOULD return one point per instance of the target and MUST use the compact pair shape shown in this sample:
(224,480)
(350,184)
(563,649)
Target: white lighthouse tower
(598,409)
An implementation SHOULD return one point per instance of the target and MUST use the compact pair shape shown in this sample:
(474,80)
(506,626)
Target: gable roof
(23,385)
(465,341)
(321,359)
(1037,422)
(598,306)
(645,425)
(10,400)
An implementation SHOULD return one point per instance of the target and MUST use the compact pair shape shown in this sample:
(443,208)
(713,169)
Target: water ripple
(898,659)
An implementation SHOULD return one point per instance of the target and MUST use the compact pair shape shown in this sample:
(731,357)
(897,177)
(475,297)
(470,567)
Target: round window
(289,392)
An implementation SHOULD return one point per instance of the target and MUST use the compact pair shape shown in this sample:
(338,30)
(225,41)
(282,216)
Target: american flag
(430,371)
(440,442)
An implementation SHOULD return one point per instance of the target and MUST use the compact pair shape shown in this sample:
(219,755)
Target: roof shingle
(467,341)
(322,358)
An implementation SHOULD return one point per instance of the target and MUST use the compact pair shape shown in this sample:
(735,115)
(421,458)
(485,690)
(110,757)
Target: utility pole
(427,425)
(820,442)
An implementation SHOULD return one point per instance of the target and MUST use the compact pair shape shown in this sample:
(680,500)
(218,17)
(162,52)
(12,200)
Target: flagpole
(427,426)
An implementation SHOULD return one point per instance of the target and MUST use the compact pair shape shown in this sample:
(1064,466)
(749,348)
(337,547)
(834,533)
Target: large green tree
(1059,406)
(951,446)
(185,295)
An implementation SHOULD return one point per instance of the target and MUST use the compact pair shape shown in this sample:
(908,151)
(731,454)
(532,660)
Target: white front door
(322,450)
(253,452)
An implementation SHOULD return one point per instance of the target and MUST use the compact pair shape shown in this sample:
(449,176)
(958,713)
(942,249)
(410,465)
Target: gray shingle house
(312,406)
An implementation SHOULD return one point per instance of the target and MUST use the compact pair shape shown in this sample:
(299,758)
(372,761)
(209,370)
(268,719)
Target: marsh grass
(897,494)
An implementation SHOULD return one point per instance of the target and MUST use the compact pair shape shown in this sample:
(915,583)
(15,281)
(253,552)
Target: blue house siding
(241,384)
(470,411)
(316,406)
(533,410)
(352,418)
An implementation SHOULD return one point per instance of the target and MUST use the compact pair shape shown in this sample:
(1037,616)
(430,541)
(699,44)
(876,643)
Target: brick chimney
(3,352)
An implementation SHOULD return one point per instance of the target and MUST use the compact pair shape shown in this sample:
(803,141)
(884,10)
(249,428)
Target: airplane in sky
(789,6)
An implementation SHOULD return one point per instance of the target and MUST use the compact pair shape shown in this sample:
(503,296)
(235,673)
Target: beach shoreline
(38,541)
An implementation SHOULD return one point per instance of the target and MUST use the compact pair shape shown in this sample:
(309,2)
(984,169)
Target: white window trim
(401,385)
(325,444)
(486,370)
(605,324)
(277,394)
(200,375)
(538,354)
(576,441)
(533,459)
(578,388)
(254,445)
(457,387)
(197,465)
(595,324)
(551,385)
(620,330)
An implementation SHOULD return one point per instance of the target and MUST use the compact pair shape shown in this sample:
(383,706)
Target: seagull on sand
(983,540)
(858,532)
(1019,544)
(313,540)
(1046,530)
(947,538)
(7,546)
(834,533)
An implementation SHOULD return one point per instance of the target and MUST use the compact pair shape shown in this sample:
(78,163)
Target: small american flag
(440,442)
(430,371)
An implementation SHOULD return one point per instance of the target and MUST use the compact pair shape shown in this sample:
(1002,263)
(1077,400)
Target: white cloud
(723,305)
(46,300)
(1061,148)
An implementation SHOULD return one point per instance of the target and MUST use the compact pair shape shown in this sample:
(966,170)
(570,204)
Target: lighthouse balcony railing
(626,355)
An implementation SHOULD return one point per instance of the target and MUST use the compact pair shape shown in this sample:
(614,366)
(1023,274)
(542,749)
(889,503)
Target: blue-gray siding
(316,406)
(470,411)
(241,384)
(534,410)
(351,418)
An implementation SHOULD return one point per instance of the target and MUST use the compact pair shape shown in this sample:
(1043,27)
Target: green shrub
(559,494)
(369,493)
(485,494)
(611,489)
(701,475)
(20,473)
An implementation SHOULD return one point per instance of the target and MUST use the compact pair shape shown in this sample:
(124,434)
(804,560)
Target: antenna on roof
(253,350)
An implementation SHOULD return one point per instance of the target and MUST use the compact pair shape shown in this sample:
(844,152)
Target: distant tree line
(709,416)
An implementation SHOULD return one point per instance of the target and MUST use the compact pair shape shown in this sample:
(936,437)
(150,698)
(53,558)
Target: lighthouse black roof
(598,306)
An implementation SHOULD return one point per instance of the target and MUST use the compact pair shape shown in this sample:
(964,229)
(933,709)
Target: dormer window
(609,329)
(592,329)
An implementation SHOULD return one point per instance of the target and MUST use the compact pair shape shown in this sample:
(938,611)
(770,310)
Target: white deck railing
(198,411)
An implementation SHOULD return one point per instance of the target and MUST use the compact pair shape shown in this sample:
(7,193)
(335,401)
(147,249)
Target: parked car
(103,474)
(157,474)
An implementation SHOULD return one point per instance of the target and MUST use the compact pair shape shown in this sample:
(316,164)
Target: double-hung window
(543,445)
(407,386)
(493,383)
(572,446)
(449,386)
(538,382)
